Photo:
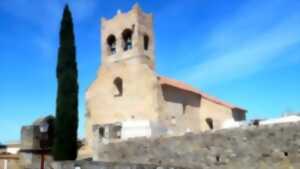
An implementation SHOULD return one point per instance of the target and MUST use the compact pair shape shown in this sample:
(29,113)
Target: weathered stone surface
(31,141)
(11,164)
(263,147)
(107,165)
(30,137)
(33,161)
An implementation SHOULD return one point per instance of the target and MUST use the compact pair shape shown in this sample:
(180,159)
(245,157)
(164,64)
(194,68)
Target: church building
(127,88)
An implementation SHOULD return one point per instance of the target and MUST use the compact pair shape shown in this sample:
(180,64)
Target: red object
(42,160)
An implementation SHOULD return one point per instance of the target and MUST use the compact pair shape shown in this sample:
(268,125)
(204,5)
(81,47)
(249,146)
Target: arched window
(210,123)
(111,43)
(118,82)
(146,42)
(127,39)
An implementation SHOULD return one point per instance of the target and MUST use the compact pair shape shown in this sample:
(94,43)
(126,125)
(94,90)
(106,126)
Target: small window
(210,123)
(118,82)
(184,108)
(146,42)
(111,42)
(101,132)
(118,130)
(127,39)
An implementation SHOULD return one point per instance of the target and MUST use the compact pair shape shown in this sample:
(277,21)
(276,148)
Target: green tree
(66,120)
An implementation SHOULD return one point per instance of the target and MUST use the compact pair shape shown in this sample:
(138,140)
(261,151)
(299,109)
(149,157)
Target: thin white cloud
(245,23)
(250,54)
(45,16)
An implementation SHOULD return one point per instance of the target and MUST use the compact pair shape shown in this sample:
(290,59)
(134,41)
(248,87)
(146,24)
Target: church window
(118,131)
(146,42)
(118,82)
(101,132)
(111,42)
(210,123)
(184,108)
(127,39)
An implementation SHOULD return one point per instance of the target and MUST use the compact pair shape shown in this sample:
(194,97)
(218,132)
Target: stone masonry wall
(263,147)
(106,165)
(30,137)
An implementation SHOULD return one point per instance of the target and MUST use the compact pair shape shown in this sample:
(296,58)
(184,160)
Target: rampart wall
(263,147)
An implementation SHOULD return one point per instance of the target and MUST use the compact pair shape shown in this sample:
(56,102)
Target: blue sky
(245,52)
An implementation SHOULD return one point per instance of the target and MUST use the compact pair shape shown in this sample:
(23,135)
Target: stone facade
(134,68)
(36,143)
(263,147)
(30,137)
(128,88)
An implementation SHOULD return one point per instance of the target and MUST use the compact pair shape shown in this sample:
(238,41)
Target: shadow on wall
(273,146)
(172,94)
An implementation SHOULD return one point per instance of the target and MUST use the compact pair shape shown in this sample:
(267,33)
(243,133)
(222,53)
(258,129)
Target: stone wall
(138,102)
(263,147)
(11,164)
(180,110)
(30,137)
(217,112)
(106,165)
(134,67)
(33,161)
(30,153)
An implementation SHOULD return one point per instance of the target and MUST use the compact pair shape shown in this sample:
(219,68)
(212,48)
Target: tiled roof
(189,88)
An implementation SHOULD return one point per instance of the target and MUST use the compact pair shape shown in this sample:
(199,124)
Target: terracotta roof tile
(189,88)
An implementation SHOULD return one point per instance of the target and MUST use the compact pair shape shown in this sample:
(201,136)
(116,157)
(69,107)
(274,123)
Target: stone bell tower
(126,87)
(128,37)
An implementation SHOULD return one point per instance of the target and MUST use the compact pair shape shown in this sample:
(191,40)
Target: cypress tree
(66,120)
